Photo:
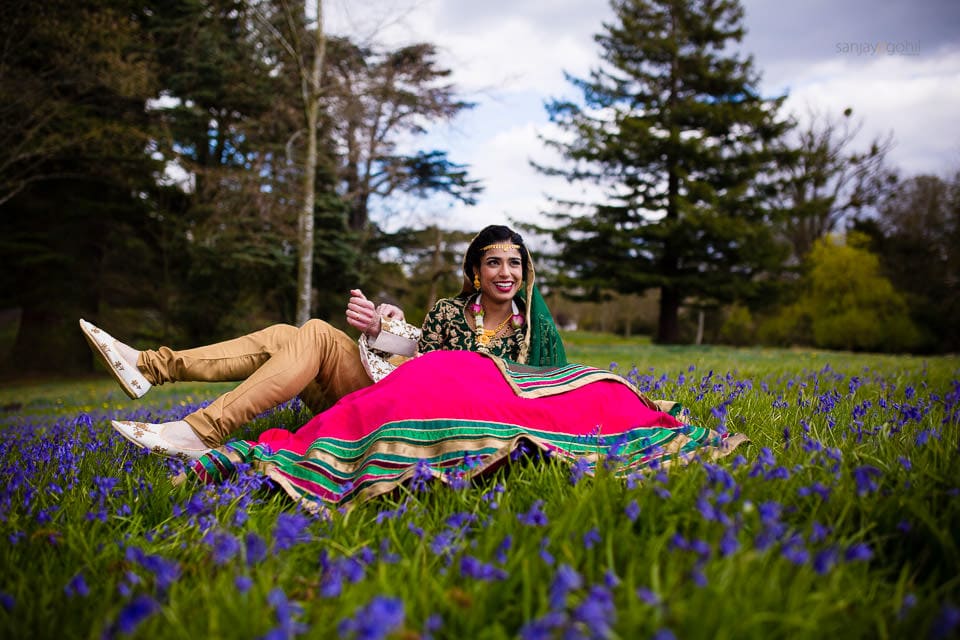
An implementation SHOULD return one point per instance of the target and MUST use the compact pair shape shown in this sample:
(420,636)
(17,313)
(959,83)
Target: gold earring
(476,281)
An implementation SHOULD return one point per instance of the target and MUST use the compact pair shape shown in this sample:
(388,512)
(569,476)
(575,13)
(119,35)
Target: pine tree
(674,131)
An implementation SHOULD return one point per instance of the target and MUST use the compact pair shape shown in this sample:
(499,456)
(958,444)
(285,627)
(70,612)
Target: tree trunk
(668,327)
(311,99)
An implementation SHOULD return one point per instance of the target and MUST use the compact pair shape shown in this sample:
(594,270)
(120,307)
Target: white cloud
(915,98)
(509,56)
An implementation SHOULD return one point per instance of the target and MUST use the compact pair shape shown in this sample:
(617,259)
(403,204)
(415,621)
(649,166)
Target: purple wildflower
(597,612)
(374,621)
(7,601)
(648,596)
(503,548)
(590,538)
(579,469)
(729,544)
(632,510)
(858,552)
(824,560)
(290,530)
(565,580)
(471,567)
(535,517)
(545,554)
(422,475)
(865,477)
(909,602)
(135,612)
(256,548)
(224,545)
(243,583)
(286,612)
(77,586)
(946,622)
(164,571)
(543,628)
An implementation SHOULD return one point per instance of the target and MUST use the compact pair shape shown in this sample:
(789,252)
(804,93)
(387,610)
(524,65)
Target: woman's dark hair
(492,235)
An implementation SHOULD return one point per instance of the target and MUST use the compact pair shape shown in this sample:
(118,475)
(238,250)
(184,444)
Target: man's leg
(227,361)
(317,354)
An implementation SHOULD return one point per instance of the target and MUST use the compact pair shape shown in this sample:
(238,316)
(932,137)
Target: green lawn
(841,518)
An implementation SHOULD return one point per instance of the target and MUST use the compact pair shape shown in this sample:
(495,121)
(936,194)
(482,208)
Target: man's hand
(364,316)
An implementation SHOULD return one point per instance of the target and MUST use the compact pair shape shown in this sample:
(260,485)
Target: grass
(841,518)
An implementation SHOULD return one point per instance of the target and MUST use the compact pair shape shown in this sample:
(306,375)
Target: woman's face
(501,272)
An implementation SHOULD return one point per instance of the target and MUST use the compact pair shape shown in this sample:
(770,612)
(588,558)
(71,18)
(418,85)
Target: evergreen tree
(673,130)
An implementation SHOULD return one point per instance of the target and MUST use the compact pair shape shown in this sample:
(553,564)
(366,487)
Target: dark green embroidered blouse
(446,327)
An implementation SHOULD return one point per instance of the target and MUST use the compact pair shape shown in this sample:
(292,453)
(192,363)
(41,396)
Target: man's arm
(371,320)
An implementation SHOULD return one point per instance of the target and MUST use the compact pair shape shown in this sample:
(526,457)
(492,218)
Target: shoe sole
(98,349)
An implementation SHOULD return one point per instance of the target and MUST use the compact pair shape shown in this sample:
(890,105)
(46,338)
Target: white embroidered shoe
(126,374)
(150,436)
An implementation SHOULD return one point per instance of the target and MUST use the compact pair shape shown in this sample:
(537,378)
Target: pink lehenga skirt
(453,415)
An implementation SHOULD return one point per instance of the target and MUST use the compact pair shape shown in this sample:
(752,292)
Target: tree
(376,98)
(846,302)
(674,132)
(827,180)
(916,234)
(74,78)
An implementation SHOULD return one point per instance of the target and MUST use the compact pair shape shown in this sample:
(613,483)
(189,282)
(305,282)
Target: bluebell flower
(579,469)
(135,612)
(422,475)
(858,551)
(946,622)
(287,613)
(729,544)
(648,596)
(611,579)
(503,548)
(698,577)
(545,554)
(769,511)
(824,560)
(865,477)
(224,545)
(591,538)
(471,567)
(632,510)
(243,583)
(7,601)
(165,572)
(374,621)
(597,612)
(816,488)
(535,517)
(256,548)
(291,529)
(77,586)
(909,602)
(819,533)
(544,627)
(461,520)
(565,580)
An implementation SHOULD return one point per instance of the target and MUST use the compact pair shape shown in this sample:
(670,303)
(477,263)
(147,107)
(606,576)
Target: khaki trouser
(317,361)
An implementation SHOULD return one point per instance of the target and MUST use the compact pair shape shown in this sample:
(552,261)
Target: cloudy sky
(896,63)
